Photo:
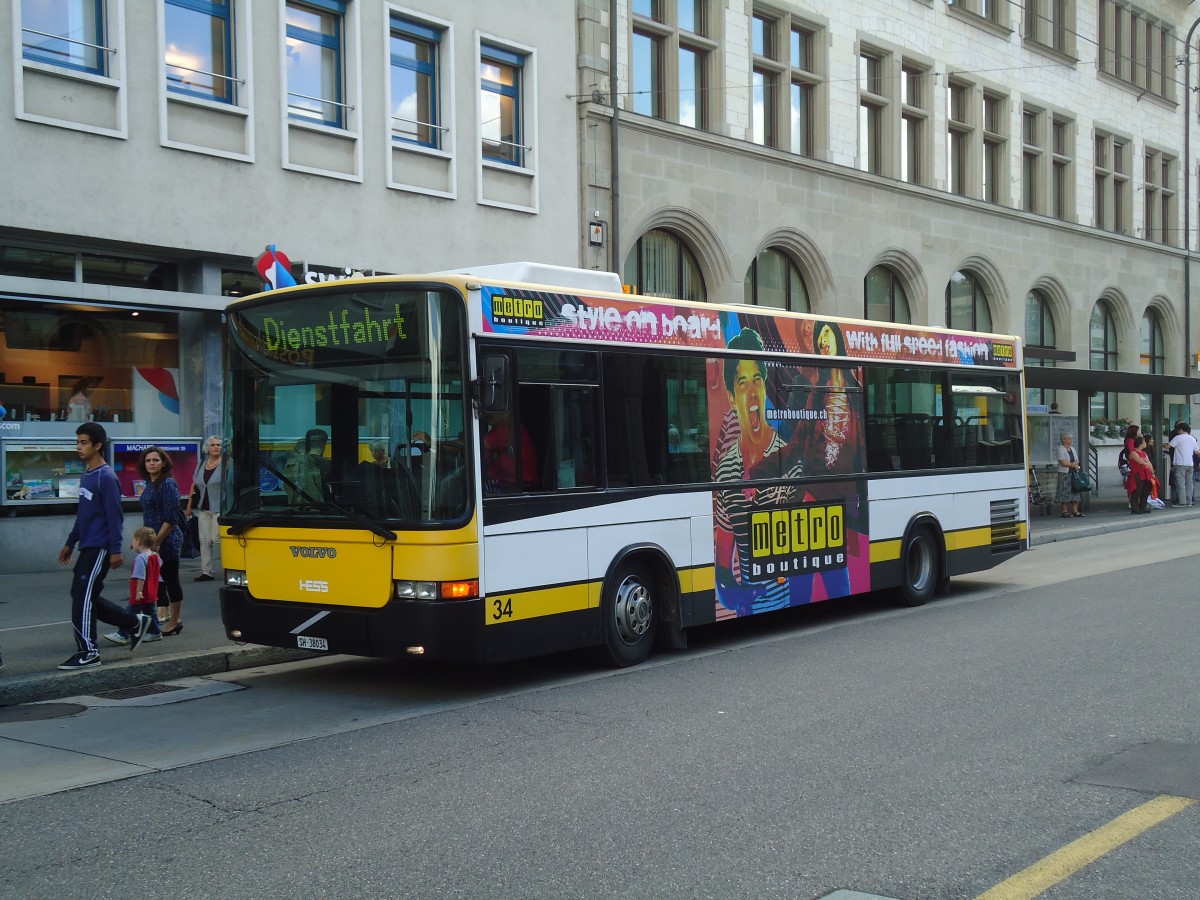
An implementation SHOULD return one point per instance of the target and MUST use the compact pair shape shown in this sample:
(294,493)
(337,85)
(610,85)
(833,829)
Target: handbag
(1080,482)
(190,527)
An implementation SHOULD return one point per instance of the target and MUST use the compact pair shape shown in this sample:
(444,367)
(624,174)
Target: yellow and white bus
(479,468)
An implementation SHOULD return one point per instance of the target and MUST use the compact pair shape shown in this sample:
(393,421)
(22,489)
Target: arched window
(774,280)
(662,265)
(1153,356)
(1039,334)
(1102,355)
(967,304)
(886,300)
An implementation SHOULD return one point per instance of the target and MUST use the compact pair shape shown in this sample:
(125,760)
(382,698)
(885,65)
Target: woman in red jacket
(1141,479)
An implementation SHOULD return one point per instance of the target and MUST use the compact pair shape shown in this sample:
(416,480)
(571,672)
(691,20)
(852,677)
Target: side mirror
(493,384)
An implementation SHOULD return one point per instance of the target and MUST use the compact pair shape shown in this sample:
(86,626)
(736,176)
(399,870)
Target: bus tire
(629,614)
(919,567)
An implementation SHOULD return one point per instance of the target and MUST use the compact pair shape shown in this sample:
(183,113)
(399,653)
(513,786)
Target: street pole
(1187,200)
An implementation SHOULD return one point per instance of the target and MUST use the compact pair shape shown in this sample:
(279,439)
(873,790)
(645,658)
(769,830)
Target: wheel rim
(920,564)
(632,610)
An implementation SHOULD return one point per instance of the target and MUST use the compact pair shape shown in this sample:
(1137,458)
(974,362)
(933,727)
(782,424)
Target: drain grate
(144,690)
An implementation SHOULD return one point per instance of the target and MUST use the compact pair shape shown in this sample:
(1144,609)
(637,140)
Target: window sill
(510,168)
(1067,59)
(318,128)
(71,74)
(420,150)
(202,103)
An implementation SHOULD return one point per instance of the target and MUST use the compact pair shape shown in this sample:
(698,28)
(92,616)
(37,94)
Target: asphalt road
(929,753)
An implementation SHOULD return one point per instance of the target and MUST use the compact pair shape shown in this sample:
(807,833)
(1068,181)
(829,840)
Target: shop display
(40,471)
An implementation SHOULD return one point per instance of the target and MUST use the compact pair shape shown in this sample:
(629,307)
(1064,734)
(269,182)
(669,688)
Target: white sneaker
(152,637)
(116,637)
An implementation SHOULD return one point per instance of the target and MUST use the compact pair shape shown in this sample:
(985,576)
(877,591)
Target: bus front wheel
(629,617)
(919,566)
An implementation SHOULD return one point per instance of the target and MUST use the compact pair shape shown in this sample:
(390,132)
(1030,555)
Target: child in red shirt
(143,584)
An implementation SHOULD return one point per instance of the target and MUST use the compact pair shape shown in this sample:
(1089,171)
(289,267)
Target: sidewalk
(35,619)
(35,636)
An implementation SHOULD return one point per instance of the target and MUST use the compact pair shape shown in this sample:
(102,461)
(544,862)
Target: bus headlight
(416,590)
(236,578)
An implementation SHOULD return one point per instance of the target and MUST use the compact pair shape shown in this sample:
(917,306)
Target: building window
(199,49)
(874,101)
(960,130)
(995,148)
(764,81)
(1154,356)
(1160,197)
(994,11)
(914,118)
(777,80)
(500,96)
(885,297)
(662,265)
(671,61)
(1102,356)
(1062,169)
(67,33)
(315,49)
(1039,335)
(415,60)
(1112,192)
(1051,23)
(1137,49)
(1032,146)
(967,304)
(774,280)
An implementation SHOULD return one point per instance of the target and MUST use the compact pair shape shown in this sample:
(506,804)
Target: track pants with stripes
(87,604)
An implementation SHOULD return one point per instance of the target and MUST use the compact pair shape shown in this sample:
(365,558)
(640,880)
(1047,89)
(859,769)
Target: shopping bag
(191,537)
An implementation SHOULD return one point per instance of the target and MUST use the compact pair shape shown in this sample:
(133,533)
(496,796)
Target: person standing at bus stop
(206,493)
(1068,463)
(97,531)
(1183,456)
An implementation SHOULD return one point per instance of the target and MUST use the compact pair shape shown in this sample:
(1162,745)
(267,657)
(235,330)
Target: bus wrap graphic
(796,540)
(784,532)
(612,320)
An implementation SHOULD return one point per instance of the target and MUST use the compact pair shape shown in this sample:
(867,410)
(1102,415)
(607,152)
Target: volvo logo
(314,552)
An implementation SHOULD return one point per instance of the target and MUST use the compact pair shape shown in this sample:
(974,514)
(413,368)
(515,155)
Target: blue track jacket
(99,518)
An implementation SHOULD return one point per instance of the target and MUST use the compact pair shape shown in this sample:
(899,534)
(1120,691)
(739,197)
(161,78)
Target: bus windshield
(349,405)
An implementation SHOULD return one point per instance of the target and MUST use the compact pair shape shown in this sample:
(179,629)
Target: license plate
(311,643)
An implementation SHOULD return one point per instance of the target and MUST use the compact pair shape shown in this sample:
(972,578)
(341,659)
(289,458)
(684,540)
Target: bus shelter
(1164,391)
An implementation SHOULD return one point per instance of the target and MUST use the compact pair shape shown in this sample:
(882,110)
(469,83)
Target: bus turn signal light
(460,590)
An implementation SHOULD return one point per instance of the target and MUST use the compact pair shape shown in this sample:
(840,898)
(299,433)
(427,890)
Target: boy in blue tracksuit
(97,531)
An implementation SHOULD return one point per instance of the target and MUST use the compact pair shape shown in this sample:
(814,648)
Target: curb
(130,673)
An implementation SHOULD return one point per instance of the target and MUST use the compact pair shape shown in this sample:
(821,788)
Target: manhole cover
(132,693)
(34,712)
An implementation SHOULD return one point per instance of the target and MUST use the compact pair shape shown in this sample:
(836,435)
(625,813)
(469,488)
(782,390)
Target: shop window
(33,262)
(77,362)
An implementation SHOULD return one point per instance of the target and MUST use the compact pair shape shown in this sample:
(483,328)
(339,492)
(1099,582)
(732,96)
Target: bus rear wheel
(919,567)
(629,618)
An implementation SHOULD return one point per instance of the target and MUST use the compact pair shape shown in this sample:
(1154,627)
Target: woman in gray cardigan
(206,495)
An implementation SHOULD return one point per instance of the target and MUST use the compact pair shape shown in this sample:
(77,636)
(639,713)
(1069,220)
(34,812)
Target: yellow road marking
(1062,864)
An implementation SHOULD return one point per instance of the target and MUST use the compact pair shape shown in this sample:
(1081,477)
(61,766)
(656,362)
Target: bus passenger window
(508,452)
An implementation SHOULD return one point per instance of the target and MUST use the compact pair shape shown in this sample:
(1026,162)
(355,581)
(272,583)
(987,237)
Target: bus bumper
(443,630)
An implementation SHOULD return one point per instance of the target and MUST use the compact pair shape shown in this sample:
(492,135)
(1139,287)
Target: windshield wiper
(248,521)
(315,503)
